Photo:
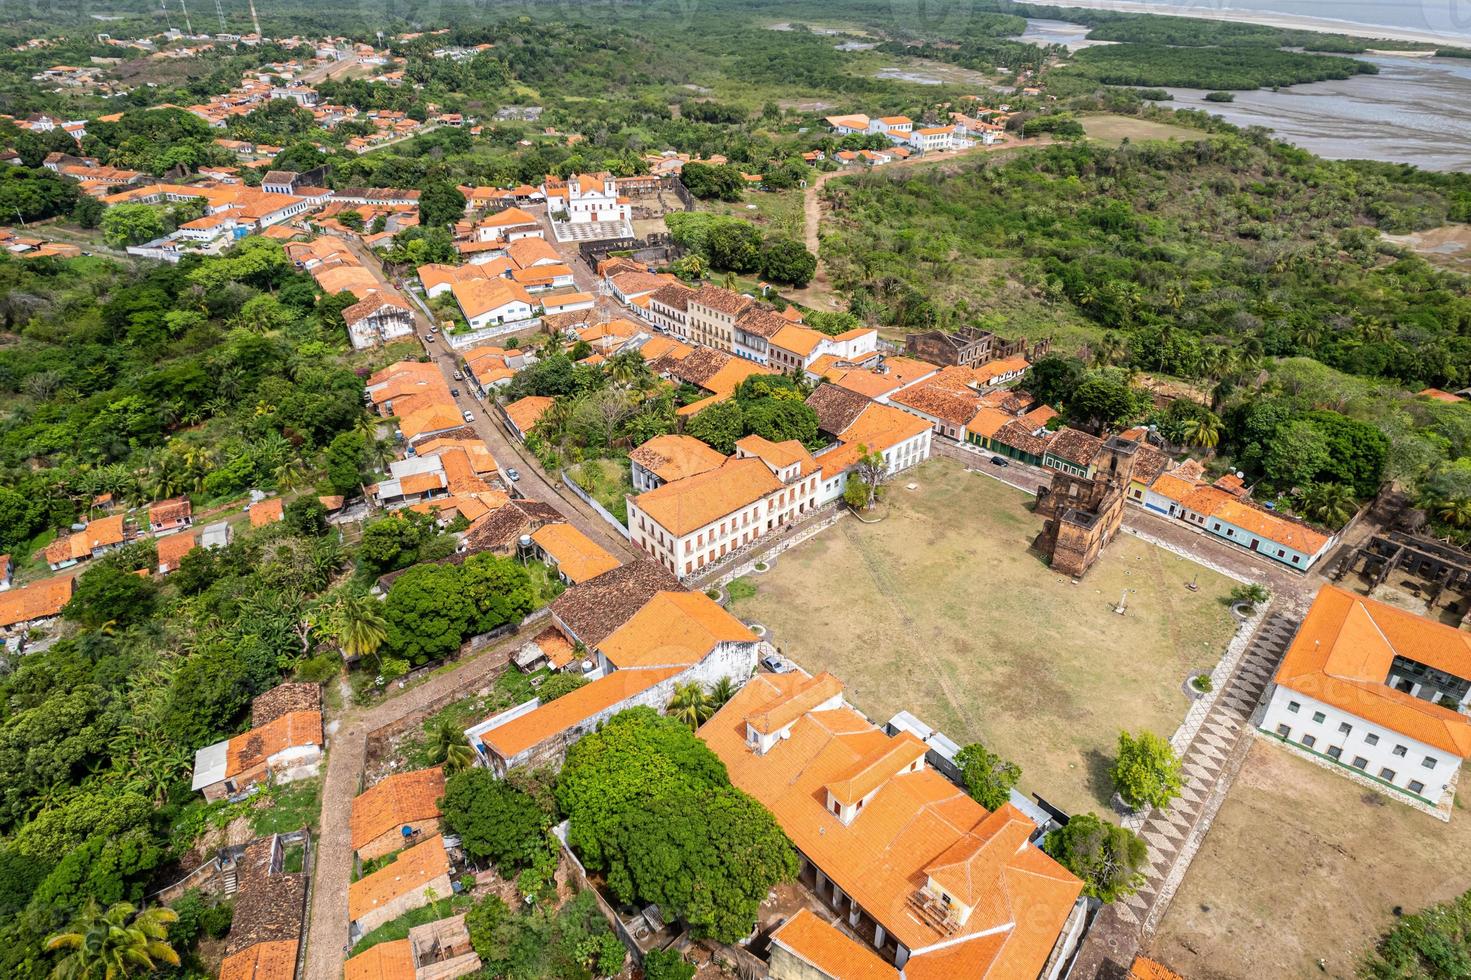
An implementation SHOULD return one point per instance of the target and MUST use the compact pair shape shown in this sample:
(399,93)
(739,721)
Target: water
(1071,36)
(1450,19)
(1416,110)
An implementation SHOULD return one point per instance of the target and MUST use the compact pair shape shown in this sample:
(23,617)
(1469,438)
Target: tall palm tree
(1107,350)
(113,944)
(721,692)
(361,628)
(1330,504)
(449,747)
(1204,432)
(1455,511)
(691,705)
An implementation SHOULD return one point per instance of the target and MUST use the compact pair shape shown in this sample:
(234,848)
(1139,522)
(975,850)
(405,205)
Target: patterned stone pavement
(1211,761)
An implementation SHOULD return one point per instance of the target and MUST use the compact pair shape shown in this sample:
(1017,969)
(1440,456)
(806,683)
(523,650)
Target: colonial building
(410,881)
(1084,513)
(927,878)
(284,743)
(1377,690)
(396,811)
(378,319)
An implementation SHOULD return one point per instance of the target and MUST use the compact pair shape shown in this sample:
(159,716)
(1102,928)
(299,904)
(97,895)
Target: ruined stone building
(1084,513)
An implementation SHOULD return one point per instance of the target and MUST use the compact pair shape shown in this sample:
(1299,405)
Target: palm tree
(1455,511)
(1204,432)
(721,692)
(1330,504)
(113,944)
(361,628)
(449,747)
(691,705)
(1107,350)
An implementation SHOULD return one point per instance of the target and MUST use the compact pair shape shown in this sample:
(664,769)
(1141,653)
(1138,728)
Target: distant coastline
(1324,25)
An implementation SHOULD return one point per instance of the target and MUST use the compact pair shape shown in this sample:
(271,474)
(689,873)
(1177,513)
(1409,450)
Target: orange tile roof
(940,399)
(675,457)
(877,768)
(39,600)
(687,505)
(988,421)
(1298,537)
(410,871)
(673,628)
(557,648)
(1342,656)
(480,296)
(267,512)
(173,547)
(778,455)
(385,961)
(577,556)
(99,534)
(570,710)
(262,961)
(402,798)
(790,704)
(818,943)
(797,339)
(1440,396)
(865,382)
(913,826)
(510,216)
(526,412)
(1147,969)
(294,729)
(526,252)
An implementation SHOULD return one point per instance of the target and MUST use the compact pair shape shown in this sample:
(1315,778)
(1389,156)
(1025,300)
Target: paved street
(327,928)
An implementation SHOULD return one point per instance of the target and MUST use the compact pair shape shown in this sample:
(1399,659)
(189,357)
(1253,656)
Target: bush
(1202,683)
(666,964)
(1108,858)
(319,669)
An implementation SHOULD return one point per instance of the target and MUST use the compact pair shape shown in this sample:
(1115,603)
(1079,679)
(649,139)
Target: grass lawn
(1302,864)
(941,609)
(778,212)
(292,807)
(1113,130)
(606,481)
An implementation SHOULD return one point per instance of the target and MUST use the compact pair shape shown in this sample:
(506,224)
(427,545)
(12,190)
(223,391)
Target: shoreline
(1319,25)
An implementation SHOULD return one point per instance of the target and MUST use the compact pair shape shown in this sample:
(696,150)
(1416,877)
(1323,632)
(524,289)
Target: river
(1416,110)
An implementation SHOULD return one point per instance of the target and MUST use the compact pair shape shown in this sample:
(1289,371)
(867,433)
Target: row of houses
(381,314)
(902,132)
(513,282)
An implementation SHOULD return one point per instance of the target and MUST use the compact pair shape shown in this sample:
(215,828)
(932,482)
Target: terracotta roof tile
(571,710)
(673,628)
(263,961)
(39,600)
(814,941)
(674,457)
(578,557)
(687,505)
(593,610)
(385,961)
(396,800)
(410,871)
(836,407)
(245,752)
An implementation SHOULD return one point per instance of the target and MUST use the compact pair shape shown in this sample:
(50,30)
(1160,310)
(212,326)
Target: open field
(1448,246)
(607,481)
(1112,130)
(1302,864)
(774,212)
(943,609)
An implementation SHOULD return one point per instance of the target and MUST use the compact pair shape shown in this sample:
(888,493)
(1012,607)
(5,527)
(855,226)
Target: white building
(379,318)
(586,198)
(1377,690)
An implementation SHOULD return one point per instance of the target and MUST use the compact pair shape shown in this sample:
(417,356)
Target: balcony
(933,912)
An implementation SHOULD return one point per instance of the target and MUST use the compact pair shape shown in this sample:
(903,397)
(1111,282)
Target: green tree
(1102,401)
(448,746)
(1434,944)
(691,705)
(494,820)
(440,203)
(359,626)
(559,685)
(856,493)
(1147,772)
(667,964)
(1298,452)
(1052,379)
(707,181)
(1108,858)
(427,613)
(1329,504)
(718,426)
(344,458)
(497,589)
(108,594)
(306,517)
(780,419)
(114,943)
(787,260)
(1203,431)
(988,778)
(735,246)
(131,224)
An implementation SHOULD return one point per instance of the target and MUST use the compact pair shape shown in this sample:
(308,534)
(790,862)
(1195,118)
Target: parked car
(455,392)
(469,416)
(512,474)
(1000,461)
(458,376)
(775,664)
(434,328)
(428,338)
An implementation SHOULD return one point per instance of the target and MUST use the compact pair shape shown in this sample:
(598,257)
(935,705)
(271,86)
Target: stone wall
(393,840)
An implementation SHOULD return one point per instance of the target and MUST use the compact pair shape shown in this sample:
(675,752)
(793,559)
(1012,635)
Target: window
(1318,717)
(1400,750)
(1416,786)
(1360,762)
(1335,752)
(1371,739)
(1428,762)
(1284,731)
(1344,728)
(1309,741)
(1294,707)
(1387,775)
(1294,559)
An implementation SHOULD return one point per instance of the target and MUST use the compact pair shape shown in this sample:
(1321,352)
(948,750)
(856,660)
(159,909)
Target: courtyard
(1300,865)
(942,609)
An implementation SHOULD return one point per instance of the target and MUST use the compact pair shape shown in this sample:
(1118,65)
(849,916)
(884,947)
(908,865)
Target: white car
(469,416)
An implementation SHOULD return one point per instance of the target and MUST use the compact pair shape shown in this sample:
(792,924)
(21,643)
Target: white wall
(1406,768)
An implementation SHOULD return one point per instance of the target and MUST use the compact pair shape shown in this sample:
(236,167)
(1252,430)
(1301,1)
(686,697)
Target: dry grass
(1112,130)
(1302,864)
(941,609)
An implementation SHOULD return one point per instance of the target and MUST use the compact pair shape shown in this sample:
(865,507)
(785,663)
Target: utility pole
(166,18)
(255,20)
(219,9)
(188,26)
